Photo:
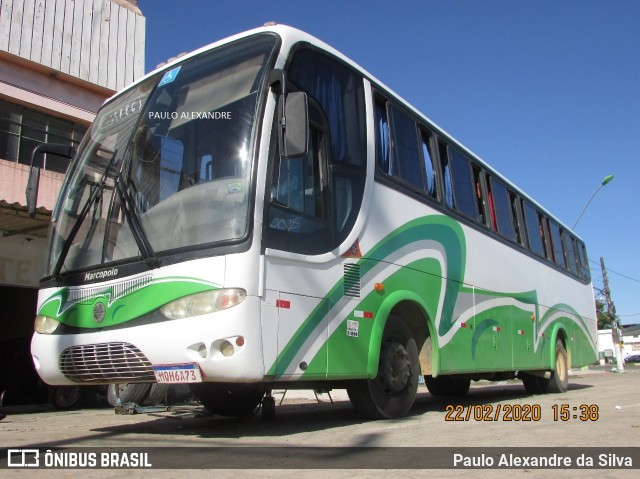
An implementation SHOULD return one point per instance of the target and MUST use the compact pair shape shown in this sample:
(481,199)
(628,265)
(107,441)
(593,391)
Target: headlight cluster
(45,325)
(203,303)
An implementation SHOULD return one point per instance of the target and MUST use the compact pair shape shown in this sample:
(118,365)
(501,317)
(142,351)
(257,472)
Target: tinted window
(303,217)
(533,228)
(463,187)
(429,165)
(571,253)
(499,197)
(339,91)
(406,157)
(446,174)
(516,214)
(584,262)
(556,244)
(382,137)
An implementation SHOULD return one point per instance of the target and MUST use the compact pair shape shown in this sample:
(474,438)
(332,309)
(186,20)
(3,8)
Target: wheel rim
(561,369)
(395,367)
(66,396)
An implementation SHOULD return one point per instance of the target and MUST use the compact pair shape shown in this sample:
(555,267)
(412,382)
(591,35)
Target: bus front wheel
(391,393)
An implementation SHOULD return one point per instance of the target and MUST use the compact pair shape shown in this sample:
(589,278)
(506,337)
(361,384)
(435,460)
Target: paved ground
(301,420)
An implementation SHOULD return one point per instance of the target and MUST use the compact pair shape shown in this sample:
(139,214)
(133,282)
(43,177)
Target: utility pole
(615,327)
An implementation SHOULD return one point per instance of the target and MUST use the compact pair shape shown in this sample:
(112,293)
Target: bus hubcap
(395,367)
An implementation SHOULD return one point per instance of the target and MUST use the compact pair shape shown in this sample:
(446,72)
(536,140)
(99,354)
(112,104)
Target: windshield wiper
(97,193)
(142,240)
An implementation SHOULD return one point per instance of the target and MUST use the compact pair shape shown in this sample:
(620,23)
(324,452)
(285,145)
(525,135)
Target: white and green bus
(262,213)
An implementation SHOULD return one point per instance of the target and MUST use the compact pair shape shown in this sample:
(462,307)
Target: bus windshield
(167,163)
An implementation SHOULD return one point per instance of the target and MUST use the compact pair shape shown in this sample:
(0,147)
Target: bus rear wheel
(229,399)
(392,392)
(559,380)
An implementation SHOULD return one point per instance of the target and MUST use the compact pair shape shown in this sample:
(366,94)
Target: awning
(15,220)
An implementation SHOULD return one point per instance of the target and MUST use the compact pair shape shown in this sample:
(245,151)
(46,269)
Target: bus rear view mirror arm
(66,151)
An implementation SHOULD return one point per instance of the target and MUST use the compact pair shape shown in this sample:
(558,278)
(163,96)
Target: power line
(619,274)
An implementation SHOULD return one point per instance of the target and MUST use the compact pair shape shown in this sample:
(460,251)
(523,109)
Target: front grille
(105,362)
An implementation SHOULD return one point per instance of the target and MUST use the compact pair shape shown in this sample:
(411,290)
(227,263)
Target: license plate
(178,374)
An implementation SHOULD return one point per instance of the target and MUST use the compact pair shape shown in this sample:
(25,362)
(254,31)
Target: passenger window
(501,210)
(571,253)
(446,174)
(556,244)
(584,262)
(477,181)
(406,161)
(534,229)
(516,214)
(464,190)
(382,137)
(429,165)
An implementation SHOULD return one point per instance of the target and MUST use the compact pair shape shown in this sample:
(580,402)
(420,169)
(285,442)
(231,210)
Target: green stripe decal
(424,280)
(123,301)
(440,229)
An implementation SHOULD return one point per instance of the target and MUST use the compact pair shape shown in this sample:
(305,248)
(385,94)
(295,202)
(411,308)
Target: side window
(501,216)
(383,156)
(534,229)
(478,189)
(584,261)
(428,161)
(556,244)
(464,189)
(406,159)
(544,232)
(315,200)
(298,216)
(445,167)
(516,214)
(571,253)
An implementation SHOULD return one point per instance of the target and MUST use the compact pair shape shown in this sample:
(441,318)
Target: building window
(22,129)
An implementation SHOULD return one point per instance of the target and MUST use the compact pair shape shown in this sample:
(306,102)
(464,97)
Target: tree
(604,320)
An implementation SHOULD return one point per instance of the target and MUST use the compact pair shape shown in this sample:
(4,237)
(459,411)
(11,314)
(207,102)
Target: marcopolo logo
(105,273)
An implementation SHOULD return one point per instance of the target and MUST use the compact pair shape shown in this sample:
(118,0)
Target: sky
(546,92)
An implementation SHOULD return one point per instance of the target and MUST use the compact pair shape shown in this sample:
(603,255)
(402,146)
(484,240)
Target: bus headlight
(203,303)
(45,325)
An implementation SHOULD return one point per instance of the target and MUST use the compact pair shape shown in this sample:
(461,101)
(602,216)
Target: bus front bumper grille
(105,362)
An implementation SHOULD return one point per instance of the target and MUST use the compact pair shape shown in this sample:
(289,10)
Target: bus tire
(229,399)
(559,380)
(68,397)
(127,393)
(392,392)
(157,395)
(447,386)
(533,384)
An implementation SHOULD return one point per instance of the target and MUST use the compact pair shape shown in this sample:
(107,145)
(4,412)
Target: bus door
(298,222)
(312,203)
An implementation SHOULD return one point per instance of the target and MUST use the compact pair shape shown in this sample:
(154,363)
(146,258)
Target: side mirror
(295,125)
(66,151)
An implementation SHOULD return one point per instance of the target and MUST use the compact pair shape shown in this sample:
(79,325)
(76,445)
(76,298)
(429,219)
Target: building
(630,342)
(59,61)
